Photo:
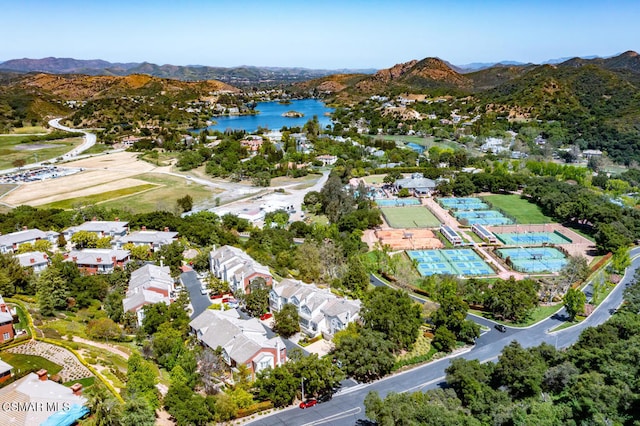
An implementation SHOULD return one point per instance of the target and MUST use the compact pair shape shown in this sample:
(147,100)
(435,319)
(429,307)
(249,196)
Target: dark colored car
(324,398)
(501,328)
(308,403)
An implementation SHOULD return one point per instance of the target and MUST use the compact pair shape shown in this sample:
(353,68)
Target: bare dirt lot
(101,174)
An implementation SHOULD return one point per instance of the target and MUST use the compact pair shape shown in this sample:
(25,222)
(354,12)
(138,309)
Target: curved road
(89,138)
(347,407)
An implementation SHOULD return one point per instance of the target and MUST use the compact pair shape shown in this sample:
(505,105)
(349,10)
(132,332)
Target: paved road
(89,138)
(347,407)
(199,302)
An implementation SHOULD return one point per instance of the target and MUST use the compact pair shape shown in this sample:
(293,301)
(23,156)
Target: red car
(266,316)
(308,403)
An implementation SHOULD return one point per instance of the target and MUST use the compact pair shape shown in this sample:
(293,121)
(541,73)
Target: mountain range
(238,76)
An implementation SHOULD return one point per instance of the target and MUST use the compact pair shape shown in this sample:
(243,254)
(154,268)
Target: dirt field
(408,239)
(103,173)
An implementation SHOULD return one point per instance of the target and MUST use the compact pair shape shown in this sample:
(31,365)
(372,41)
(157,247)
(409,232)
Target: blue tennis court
(468,203)
(400,202)
(534,259)
(533,238)
(450,261)
(483,217)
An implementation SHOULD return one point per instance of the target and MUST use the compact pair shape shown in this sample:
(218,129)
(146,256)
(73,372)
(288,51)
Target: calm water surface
(270,116)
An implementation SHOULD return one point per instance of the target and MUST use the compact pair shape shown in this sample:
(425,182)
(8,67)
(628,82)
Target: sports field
(15,148)
(410,217)
(518,208)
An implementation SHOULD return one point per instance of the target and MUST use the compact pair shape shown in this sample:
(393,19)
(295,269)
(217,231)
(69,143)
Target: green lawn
(537,314)
(70,203)
(410,217)
(12,149)
(29,362)
(520,209)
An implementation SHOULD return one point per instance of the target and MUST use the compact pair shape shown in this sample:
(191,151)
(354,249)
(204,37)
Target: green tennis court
(410,217)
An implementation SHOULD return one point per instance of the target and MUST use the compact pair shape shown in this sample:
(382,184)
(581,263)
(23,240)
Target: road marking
(338,416)
(430,382)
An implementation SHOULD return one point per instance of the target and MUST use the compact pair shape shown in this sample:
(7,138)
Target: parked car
(324,398)
(266,316)
(232,303)
(308,403)
(501,328)
(215,296)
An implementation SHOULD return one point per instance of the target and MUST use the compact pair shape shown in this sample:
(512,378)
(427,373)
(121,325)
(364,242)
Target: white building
(36,260)
(9,243)
(319,310)
(237,268)
(148,285)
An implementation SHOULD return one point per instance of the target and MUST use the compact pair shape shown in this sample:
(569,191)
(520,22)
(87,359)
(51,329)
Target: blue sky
(317,34)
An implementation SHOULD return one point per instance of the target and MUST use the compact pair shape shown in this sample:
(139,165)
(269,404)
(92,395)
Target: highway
(347,407)
(89,138)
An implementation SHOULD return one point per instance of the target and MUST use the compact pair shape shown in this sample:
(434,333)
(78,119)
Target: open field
(116,180)
(70,203)
(410,217)
(520,209)
(13,148)
(28,130)
(169,189)
(374,179)
(4,188)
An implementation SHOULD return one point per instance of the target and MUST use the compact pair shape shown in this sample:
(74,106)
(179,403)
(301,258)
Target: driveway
(199,302)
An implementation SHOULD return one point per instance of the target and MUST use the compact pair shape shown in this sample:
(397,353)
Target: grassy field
(10,149)
(70,203)
(29,130)
(169,189)
(427,142)
(30,362)
(98,148)
(410,217)
(4,188)
(374,179)
(521,210)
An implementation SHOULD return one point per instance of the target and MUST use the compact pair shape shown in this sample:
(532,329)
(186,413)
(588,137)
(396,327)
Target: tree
(277,385)
(286,322)
(366,356)
(84,239)
(19,163)
(138,412)
(141,380)
(520,370)
(511,299)
(574,302)
(217,286)
(257,301)
(621,260)
(444,340)
(141,252)
(356,279)
(277,219)
(103,328)
(308,261)
(51,291)
(393,313)
(320,375)
(185,203)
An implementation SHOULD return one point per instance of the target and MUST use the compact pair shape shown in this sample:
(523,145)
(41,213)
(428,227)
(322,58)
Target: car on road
(501,328)
(308,403)
(324,398)
(266,316)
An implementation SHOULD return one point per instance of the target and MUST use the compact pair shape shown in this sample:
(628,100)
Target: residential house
(591,153)
(101,228)
(237,268)
(242,341)
(152,239)
(6,322)
(36,260)
(6,371)
(327,160)
(9,243)
(48,402)
(252,144)
(417,184)
(495,145)
(148,285)
(319,310)
(99,261)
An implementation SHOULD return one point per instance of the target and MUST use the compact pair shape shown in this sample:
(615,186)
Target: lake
(270,116)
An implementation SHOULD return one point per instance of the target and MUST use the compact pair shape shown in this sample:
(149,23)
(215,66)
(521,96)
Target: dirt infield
(102,174)
(408,239)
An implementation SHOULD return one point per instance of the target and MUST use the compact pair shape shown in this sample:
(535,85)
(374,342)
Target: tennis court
(410,217)
(399,202)
(532,238)
(467,203)
(450,261)
(534,259)
(482,217)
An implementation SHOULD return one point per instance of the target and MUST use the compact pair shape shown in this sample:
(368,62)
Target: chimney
(98,259)
(32,260)
(24,228)
(42,375)
(166,229)
(3,308)
(117,219)
(77,389)
(74,258)
(144,228)
(113,259)
(93,219)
